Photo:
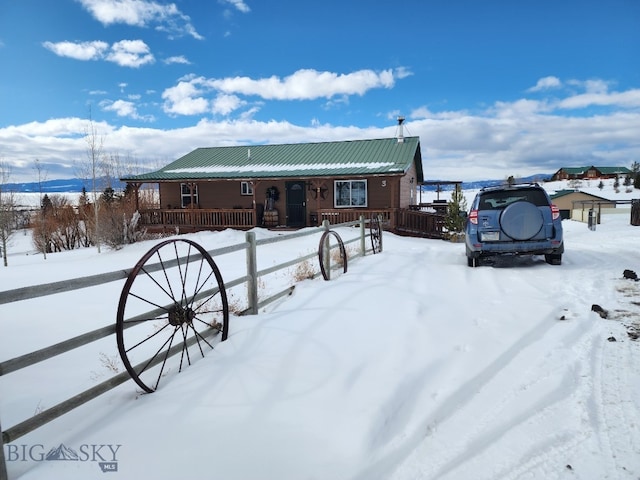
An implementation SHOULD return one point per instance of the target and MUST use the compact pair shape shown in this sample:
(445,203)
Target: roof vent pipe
(400,134)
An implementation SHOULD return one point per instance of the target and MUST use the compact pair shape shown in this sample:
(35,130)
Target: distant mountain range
(487,183)
(74,185)
(67,185)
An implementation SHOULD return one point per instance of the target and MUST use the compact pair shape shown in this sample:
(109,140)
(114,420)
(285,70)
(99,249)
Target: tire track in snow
(544,454)
(452,404)
(615,411)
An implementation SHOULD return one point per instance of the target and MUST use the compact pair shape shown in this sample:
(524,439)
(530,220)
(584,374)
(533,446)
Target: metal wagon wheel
(375,229)
(173,309)
(322,254)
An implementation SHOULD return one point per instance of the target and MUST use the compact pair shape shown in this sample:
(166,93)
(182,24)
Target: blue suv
(513,220)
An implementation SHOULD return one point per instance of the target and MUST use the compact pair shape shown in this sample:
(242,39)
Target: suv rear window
(501,199)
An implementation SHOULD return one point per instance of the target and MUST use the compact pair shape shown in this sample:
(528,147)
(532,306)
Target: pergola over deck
(438,205)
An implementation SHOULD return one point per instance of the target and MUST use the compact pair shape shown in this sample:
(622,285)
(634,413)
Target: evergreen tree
(635,174)
(108,196)
(47,204)
(454,221)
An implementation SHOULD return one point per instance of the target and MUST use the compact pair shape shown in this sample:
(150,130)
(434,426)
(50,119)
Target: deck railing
(201,218)
(413,222)
(341,215)
(424,224)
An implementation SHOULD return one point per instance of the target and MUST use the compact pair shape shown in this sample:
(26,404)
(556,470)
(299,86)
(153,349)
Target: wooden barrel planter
(271,218)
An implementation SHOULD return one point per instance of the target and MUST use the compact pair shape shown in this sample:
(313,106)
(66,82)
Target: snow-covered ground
(409,366)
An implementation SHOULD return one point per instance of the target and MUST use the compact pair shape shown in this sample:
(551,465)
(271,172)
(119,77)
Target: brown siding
(383,192)
(566,201)
(408,191)
(225,194)
(169,195)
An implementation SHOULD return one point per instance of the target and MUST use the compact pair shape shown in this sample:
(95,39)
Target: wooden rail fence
(250,279)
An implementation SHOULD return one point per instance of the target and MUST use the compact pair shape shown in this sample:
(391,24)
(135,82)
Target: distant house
(576,205)
(590,172)
(293,185)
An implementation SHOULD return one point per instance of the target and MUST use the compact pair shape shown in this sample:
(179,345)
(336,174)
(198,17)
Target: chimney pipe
(400,133)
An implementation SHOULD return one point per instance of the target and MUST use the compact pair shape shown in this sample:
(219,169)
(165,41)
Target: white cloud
(130,53)
(225,104)
(306,84)
(591,86)
(141,13)
(191,95)
(628,99)
(184,99)
(181,59)
(546,83)
(78,50)
(517,138)
(121,107)
(239,5)
(124,108)
(126,53)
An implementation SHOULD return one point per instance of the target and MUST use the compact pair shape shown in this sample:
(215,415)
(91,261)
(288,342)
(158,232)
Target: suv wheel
(473,261)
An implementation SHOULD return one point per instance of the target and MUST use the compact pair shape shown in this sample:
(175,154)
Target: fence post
(252,274)
(381,230)
(3,464)
(362,230)
(635,212)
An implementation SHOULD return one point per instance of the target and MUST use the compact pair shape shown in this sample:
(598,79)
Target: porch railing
(412,222)
(200,218)
(423,224)
(339,215)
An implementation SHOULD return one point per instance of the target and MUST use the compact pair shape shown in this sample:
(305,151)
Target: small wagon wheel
(375,229)
(322,253)
(173,302)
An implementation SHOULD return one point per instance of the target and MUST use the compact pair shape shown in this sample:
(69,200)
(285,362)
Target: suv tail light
(473,217)
(555,212)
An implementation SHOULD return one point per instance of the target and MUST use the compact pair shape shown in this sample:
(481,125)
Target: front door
(296,206)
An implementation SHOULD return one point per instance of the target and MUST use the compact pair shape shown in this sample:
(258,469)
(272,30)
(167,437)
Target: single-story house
(293,185)
(590,172)
(574,204)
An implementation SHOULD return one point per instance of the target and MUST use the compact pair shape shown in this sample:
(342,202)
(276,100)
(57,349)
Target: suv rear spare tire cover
(521,220)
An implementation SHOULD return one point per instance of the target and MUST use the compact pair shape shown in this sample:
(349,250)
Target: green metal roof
(357,157)
(612,170)
(564,193)
(604,170)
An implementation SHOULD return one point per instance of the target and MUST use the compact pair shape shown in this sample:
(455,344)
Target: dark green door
(296,208)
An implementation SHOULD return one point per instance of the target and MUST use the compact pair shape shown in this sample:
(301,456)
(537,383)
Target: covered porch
(400,220)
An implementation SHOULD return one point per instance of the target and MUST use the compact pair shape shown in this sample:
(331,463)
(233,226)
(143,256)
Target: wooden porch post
(318,217)
(136,189)
(254,187)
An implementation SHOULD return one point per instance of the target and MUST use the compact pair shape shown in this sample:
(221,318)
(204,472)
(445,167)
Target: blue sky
(492,88)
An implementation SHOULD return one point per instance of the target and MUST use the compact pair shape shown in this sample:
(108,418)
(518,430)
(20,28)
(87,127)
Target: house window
(350,193)
(185,194)
(246,188)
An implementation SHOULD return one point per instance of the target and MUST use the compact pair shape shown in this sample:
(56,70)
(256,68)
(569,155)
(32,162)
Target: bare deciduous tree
(42,175)
(95,144)
(8,214)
